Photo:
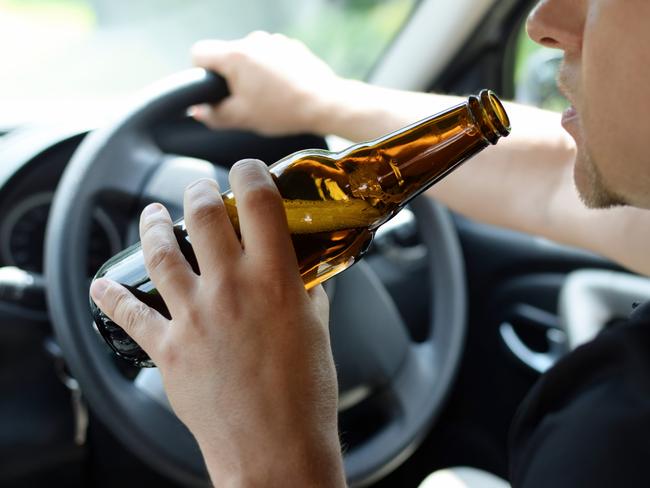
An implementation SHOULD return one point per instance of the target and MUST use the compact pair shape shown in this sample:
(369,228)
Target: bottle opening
(489,115)
(495,111)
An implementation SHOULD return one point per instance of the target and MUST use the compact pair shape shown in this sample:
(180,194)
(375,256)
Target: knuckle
(168,353)
(281,294)
(200,47)
(238,56)
(261,195)
(129,312)
(192,316)
(206,210)
(233,309)
(221,285)
(222,289)
(257,186)
(258,34)
(160,256)
(137,314)
(279,280)
(153,223)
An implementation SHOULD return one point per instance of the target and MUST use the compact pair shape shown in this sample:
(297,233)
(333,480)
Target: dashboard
(22,234)
(25,199)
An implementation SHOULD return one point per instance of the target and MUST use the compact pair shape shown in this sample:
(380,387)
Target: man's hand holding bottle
(245,360)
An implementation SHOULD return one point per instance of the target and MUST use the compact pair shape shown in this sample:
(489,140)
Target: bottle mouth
(496,113)
(492,117)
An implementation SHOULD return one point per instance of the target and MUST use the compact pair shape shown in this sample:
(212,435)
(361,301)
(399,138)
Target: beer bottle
(335,201)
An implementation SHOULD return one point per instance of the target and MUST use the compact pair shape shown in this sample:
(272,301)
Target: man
(587,423)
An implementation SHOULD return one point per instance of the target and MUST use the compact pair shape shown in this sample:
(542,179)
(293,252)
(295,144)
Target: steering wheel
(379,366)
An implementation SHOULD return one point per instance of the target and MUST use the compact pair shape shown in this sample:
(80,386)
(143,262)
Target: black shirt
(587,420)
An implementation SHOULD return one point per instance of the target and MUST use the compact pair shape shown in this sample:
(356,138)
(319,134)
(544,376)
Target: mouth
(570,120)
(569,114)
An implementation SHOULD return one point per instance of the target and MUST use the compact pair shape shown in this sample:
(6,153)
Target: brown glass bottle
(335,201)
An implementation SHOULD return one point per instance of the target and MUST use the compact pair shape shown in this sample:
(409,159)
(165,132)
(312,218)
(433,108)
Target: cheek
(615,95)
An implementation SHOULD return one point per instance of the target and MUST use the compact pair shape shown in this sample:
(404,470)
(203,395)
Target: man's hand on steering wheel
(277,85)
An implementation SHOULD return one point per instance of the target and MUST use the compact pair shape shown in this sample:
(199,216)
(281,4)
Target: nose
(557,24)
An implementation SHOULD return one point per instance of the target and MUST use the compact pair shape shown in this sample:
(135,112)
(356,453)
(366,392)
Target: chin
(591,186)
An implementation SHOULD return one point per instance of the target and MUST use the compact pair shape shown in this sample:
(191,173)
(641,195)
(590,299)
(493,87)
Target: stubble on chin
(591,186)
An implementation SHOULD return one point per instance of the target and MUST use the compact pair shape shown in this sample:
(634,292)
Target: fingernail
(98,288)
(196,111)
(243,163)
(151,209)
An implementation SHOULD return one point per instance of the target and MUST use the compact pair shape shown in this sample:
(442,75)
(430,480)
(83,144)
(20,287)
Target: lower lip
(569,117)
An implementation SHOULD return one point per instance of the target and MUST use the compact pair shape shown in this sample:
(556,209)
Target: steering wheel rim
(144,425)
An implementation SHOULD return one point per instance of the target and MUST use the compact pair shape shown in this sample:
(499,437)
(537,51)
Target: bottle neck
(409,161)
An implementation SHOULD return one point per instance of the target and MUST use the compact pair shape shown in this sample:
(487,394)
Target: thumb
(227,114)
(142,323)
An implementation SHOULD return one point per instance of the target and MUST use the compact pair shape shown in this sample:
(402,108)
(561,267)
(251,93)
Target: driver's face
(606,77)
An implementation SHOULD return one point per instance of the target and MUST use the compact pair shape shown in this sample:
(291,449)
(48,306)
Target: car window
(535,72)
(61,53)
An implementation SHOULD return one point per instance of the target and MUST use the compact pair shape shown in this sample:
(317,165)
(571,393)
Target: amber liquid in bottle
(335,201)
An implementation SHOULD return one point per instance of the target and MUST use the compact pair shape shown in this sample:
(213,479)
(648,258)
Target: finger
(167,267)
(262,219)
(217,55)
(212,235)
(211,54)
(141,322)
(227,114)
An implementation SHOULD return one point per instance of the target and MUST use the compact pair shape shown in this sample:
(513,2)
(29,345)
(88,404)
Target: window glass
(62,53)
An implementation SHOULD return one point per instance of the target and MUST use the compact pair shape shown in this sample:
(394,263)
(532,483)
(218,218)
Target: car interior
(438,333)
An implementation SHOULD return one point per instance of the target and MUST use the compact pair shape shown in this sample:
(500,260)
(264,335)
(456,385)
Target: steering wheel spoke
(171,176)
(369,338)
(124,170)
(417,373)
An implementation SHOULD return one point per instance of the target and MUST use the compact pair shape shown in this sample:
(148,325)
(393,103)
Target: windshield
(62,54)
